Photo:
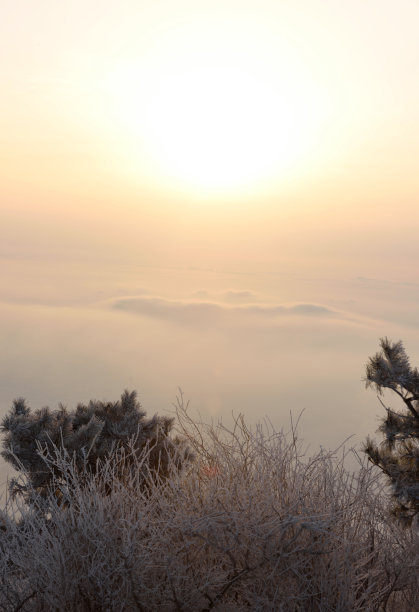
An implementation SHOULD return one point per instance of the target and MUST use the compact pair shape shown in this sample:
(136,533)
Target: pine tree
(87,437)
(398,455)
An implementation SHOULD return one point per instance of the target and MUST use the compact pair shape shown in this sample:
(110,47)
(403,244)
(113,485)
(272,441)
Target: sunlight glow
(219,119)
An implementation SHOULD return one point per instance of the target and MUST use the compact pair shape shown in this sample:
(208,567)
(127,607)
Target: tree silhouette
(87,437)
(398,455)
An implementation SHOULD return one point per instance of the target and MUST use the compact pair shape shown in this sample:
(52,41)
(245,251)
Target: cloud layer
(196,312)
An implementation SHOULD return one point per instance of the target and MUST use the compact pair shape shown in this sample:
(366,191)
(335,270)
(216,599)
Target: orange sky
(186,118)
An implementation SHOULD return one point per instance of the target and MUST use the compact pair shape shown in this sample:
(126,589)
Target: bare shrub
(252,524)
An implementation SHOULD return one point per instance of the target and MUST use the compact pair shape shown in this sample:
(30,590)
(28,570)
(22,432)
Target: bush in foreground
(251,524)
(85,438)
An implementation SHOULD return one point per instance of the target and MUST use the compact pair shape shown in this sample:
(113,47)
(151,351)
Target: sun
(218,119)
(220,127)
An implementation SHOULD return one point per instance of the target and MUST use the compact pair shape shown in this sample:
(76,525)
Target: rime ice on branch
(86,436)
(398,455)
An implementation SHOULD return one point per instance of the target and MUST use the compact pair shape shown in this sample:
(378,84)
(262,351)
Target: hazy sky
(221,196)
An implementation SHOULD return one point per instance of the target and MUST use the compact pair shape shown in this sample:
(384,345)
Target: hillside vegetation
(116,512)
